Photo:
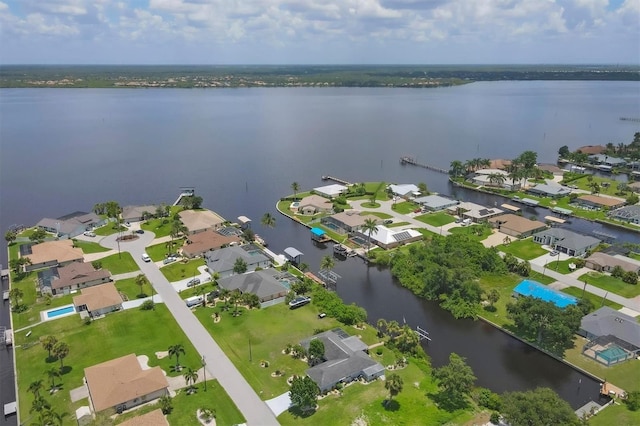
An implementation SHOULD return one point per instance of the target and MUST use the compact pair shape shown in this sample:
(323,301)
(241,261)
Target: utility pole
(204,372)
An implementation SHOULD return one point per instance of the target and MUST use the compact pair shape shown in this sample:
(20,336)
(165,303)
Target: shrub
(495,418)
(147,305)
(87,320)
(488,399)
(633,400)
(96,264)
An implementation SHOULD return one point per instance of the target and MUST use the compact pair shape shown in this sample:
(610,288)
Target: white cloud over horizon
(317,31)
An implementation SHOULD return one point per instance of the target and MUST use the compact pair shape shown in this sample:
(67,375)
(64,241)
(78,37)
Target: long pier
(335,179)
(412,161)
(637,120)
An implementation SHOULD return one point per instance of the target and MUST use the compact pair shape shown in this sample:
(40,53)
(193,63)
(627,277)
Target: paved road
(254,410)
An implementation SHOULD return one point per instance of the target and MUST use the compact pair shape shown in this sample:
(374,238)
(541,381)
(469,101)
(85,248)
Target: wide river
(65,150)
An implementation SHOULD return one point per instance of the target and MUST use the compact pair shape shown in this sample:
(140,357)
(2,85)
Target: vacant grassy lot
(616,414)
(159,251)
(436,219)
(609,283)
(524,249)
(404,207)
(381,215)
(89,247)
(119,263)
(118,334)
(596,301)
(477,232)
(505,285)
(177,271)
(131,289)
(110,228)
(561,266)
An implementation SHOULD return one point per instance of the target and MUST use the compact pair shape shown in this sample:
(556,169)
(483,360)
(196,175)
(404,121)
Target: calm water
(65,150)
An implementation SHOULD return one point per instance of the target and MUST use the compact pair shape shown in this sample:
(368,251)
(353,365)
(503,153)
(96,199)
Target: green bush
(633,400)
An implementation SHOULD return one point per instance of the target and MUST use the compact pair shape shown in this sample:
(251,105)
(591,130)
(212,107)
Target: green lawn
(436,219)
(524,249)
(381,215)
(159,251)
(404,207)
(131,289)
(119,263)
(177,271)
(369,205)
(110,228)
(89,247)
(32,315)
(505,285)
(118,334)
(396,224)
(477,232)
(561,266)
(609,283)
(596,301)
(617,414)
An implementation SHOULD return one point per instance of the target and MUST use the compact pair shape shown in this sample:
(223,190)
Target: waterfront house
(202,242)
(122,383)
(406,190)
(223,260)
(313,204)
(597,202)
(98,300)
(267,284)
(346,359)
(347,221)
(606,160)
(138,213)
(516,226)
(388,238)
(74,276)
(550,190)
(50,253)
(566,241)
(629,214)
(330,191)
(200,220)
(607,328)
(604,262)
(486,177)
(475,212)
(71,225)
(435,203)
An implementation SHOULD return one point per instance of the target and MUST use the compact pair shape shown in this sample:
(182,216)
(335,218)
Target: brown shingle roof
(78,273)
(316,201)
(98,297)
(592,149)
(153,418)
(603,201)
(196,220)
(353,219)
(604,259)
(207,240)
(517,223)
(120,380)
(61,251)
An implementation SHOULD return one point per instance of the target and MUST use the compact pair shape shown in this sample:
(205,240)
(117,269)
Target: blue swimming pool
(60,311)
(540,291)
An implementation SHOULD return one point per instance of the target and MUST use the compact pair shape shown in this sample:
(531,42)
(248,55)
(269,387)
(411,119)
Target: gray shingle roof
(224,259)
(261,283)
(569,239)
(627,212)
(607,321)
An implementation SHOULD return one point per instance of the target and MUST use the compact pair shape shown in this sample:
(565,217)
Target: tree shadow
(490,308)
(66,370)
(447,402)
(392,405)
(298,412)
(50,359)
(142,295)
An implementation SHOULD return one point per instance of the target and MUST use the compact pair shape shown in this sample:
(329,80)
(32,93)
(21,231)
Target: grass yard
(609,283)
(505,285)
(436,219)
(404,207)
(89,247)
(524,249)
(159,251)
(561,266)
(177,271)
(381,215)
(370,205)
(118,334)
(119,263)
(617,414)
(396,224)
(595,300)
(477,232)
(32,315)
(110,228)
(131,289)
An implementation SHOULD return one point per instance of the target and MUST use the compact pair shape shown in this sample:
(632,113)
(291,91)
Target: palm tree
(456,168)
(496,179)
(595,187)
(53,374)
(393,384)
(34,388)
(39,404)
(15,294)
(142,280)
(268,220)
(48,342)
(370,226)
(60,351)
(176,350)
(327,263)
(295,187)
(190,377)
(53,417)
(177,228)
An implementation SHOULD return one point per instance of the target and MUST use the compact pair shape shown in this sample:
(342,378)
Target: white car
(146,257)
(89,234)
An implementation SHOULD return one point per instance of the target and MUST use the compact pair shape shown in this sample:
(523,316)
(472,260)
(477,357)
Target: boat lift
(422,334)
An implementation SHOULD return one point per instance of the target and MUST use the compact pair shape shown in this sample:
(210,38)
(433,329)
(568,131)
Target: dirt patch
(162,354)
(211,422)
(216,318)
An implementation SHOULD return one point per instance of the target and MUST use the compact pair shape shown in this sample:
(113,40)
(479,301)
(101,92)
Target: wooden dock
(413,162)
(335,179)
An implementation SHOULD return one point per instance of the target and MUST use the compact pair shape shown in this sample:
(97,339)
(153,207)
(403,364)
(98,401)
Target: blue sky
(319,31)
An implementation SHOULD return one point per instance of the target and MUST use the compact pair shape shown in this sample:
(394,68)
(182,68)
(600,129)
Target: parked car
(146,257)
(388,221)
(89,234)
(554,253)
(299,301)
(139,231)
(169,259)
(193,282)
(127,224)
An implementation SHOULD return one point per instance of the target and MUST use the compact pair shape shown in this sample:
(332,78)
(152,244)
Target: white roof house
(330,191)
(436,202)
(404,190)
(389,238)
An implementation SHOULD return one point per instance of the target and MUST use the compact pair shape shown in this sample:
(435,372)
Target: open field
(524,249)
(89,247)
(595,300)
(177,271)
(436,219)
(612,284)
(119,263)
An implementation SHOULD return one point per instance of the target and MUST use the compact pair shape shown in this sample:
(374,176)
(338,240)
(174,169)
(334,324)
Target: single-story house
(634,186)
(223,260)
(551,168)
(266,284)
(629,214)
(475,212)
(138,213)
(608,325)
(406,190)
(347,221)
(345,359)
(98,300)
(74,276)
(516,226)
(607,160)
(122,383)
(604,262)
(200,220)
(313,204)
(566,241)
(598,202)
(50,253)
(152,418)
(592,149)
(388,238)
(435,202)
(485,177)
(549,190)
(330,191)
(202,242)
(71,225)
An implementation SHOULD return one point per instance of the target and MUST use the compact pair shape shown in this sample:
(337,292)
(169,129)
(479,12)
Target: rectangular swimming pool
(60,311)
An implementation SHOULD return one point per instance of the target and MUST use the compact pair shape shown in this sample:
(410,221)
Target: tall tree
(190,377)
(304,393)
(369,226)
(53,373)
(39,404)
(38,235)
(142,280)
(295,187)
(456,380)
(60,351)
(539,407)
(268,220)
(394,384)
(176,350)
(34,388)
(456,168)
(10,236)
(316,352)
(240,266)
(496,179)
(48,342)
(15,294)
(327,263)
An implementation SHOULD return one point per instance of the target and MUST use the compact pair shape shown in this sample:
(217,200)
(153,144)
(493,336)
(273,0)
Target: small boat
(258,239)
(340,249)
